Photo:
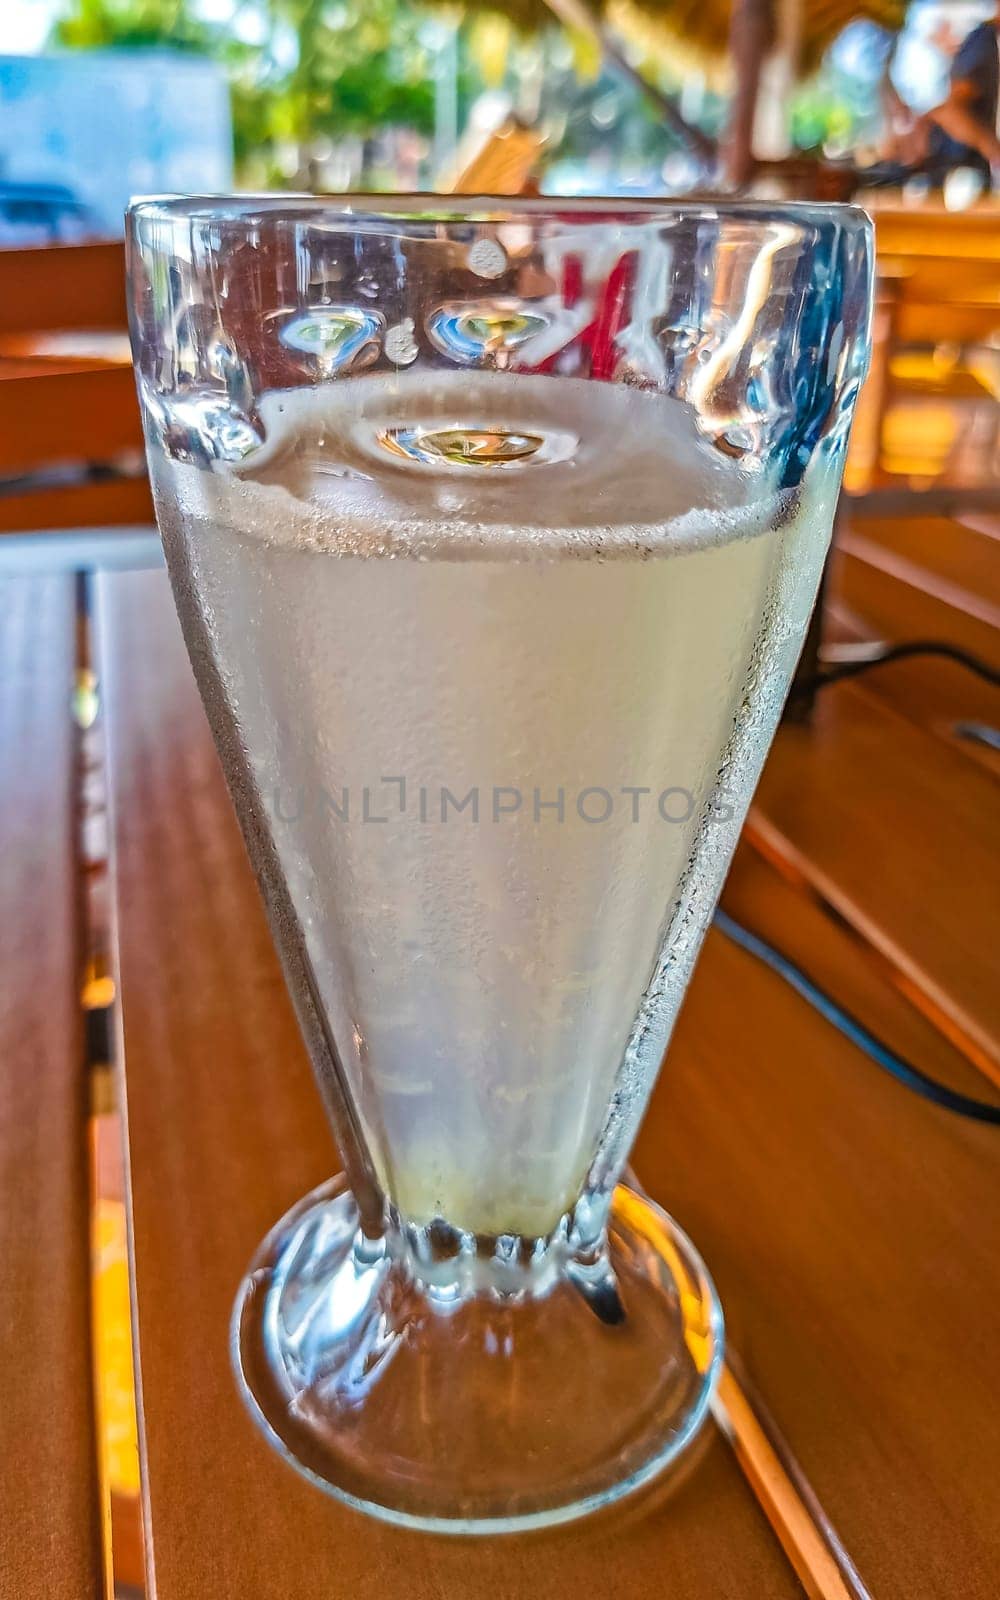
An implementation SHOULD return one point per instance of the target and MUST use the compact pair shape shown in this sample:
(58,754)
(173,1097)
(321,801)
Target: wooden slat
(933,279)
(851,1227)
(68,416)
(834,957)
(49,1547)
(105,504)
(937,323)
(947,550)
(947,591)
(980,521)
(897,832)
(932,233)
(225,1131)
(895,599)
(935,550)
(936,694)
(62,286)
(24,357)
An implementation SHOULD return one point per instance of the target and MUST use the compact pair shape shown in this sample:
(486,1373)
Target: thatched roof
(702,26)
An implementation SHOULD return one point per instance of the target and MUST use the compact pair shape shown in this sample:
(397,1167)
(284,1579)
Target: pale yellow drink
(613,615)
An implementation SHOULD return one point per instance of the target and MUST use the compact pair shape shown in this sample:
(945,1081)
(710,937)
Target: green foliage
(321,68)
(361,65)
(131,25)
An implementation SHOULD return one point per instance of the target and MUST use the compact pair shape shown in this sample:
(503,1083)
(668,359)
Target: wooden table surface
(850,1224)
(48,1464)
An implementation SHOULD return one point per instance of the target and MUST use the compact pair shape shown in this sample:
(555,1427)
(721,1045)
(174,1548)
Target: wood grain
(49,1544)
(896,599)
(980,521)
(850,1226)
(833,956)
(101,504)
(932,233)
(68,416)
(897,832)
(932,692)
(225,1131)
(970,602)
(922,321)
(56,287)
(867,602)
(849,1223)
(958,555)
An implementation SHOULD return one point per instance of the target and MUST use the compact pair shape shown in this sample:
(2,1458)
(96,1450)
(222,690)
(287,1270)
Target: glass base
(468,1389)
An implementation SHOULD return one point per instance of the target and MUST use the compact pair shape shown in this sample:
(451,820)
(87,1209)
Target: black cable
(903,1071)
(900,652)
(962,1104)
(978,733)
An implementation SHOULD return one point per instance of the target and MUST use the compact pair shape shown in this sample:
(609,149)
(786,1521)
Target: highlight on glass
(494,530)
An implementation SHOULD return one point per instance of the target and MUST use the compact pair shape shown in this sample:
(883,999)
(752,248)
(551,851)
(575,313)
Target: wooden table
(938,288)
(852,1226)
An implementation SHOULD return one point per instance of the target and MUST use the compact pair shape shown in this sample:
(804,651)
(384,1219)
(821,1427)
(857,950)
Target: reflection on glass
(494,605)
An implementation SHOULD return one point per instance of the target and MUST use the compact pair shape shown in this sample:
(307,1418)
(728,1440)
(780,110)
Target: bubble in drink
(503,657)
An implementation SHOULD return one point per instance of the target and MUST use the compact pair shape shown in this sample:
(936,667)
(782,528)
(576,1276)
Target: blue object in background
(110,125)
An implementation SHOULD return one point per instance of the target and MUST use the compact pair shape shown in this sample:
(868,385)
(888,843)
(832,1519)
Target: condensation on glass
(494,531)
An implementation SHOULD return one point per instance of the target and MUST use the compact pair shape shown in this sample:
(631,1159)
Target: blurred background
(103,98)
(891,103)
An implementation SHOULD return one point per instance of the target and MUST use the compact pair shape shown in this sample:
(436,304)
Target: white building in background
(110,125)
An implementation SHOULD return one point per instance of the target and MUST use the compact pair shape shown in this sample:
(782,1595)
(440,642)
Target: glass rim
(384,211)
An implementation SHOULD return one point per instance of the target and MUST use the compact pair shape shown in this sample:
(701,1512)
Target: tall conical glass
(494,529)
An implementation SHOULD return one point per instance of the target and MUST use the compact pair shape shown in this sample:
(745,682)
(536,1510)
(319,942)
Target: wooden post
(751,36)
(772,134)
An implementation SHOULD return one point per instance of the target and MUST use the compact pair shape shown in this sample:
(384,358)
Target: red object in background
(599,338)
(572,284)
(613,313)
